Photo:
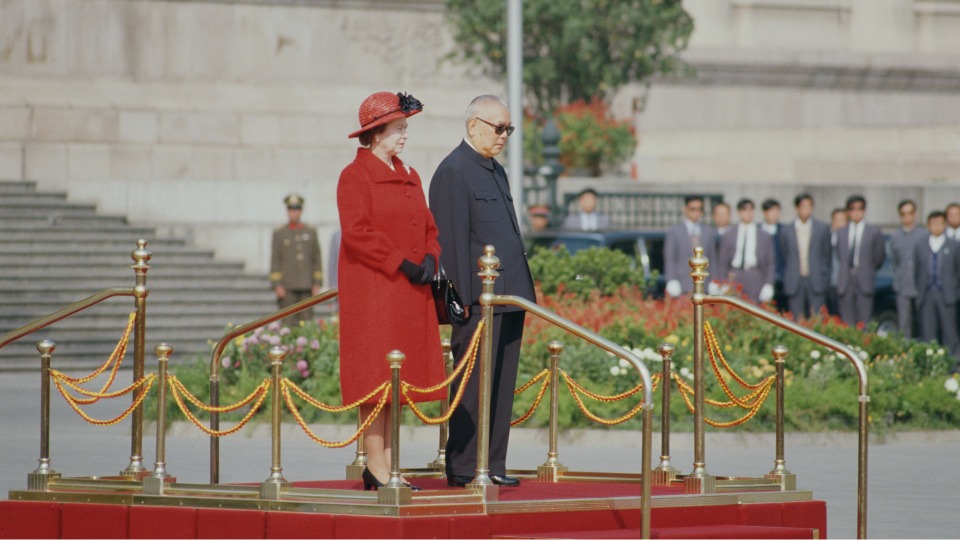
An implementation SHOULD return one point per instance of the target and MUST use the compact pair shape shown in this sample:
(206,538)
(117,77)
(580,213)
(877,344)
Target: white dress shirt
(854,239)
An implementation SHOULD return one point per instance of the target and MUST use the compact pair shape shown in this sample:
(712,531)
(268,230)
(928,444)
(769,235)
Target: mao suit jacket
(818,257)
(472,207)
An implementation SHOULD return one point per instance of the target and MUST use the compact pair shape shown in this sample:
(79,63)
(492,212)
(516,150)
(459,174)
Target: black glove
(415,273)
(429,267)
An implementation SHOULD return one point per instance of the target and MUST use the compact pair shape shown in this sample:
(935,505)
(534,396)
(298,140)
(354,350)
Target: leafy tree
(574,49)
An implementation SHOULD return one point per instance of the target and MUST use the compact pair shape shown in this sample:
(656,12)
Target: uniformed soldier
(296,270)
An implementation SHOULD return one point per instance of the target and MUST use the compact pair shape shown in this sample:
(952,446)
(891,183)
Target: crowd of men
(823,264)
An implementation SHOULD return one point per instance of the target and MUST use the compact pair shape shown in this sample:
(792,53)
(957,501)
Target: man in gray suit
(746,256)
(806,254)
(860,251)
(472,206)
(679,243)
(902,243)
(587,219)
(937,261)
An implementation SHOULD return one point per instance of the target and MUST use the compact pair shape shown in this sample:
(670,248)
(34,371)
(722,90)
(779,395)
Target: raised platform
(579,506)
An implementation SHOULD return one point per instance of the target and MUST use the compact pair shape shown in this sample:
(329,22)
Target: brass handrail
(75,307)
(840,348)
(215,366)
(488,264)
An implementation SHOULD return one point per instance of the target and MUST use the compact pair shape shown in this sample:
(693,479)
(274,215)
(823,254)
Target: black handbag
(446,299)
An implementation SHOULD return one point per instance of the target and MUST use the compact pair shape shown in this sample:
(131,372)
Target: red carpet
(22,519)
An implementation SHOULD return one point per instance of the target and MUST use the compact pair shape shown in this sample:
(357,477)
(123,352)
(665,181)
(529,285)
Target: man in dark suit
(860,251)
(679,243)
(902,243)
(472,206)
(937,264)
(746,256)
(806,254)
(771,224)
(587,219)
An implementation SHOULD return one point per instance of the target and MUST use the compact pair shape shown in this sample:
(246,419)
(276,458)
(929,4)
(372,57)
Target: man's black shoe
(505,481)
(459,481)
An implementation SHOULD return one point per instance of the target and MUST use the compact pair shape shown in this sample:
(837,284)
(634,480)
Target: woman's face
(392,139)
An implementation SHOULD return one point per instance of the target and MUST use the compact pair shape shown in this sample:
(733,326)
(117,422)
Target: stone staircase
(54,253)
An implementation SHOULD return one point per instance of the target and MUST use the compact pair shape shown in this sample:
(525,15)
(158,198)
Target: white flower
(952,385)
(816,366)
(940,351)
(623,371)
(624,363)
(958,395)
(615,370)
(929,352)
(814,354)
(685,372)
(863,355)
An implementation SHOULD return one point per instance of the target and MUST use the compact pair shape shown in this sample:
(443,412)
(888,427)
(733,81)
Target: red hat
(384,107)
(539,210)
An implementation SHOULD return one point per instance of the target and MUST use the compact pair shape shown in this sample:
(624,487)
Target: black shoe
(370,481)
(505,481)
(458,481)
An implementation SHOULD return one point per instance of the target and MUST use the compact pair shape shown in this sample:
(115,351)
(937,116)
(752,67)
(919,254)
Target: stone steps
(54,252)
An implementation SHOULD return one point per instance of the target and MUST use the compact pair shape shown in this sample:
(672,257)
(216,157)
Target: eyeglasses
(498,128)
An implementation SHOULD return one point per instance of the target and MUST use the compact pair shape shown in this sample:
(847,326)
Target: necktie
(853,249)
(743,249)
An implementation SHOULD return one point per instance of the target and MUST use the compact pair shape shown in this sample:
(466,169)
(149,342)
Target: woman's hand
(415,272)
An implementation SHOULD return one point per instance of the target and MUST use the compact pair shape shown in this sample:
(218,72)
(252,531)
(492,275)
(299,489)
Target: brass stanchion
(552,469)
(273,486)
(665,472)
(38,479)
(699,481)
(440,463)
(141,257)
(481,482)
(153,484)
(355,469)
(395,491)
(788,481)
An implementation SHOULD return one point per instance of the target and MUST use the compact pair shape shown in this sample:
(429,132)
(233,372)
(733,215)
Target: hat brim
(385,120)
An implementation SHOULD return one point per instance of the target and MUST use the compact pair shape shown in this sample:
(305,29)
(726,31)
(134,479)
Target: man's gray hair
(478,103)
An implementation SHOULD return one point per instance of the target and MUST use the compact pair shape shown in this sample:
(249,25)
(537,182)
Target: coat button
(409,194)
(414,222)
(415,250)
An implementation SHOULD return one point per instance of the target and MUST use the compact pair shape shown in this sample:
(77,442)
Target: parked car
(645,246)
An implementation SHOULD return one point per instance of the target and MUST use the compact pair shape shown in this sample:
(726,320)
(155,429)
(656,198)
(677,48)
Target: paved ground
(914,489)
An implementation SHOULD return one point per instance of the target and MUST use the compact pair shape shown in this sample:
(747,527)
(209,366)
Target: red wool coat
(384,219)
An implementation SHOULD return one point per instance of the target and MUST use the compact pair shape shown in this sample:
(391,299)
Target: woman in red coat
(388,257)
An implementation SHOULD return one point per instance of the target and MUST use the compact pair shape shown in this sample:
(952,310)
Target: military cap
(294,201)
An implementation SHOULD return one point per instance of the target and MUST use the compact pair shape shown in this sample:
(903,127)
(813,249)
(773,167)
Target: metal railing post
(355,469)
(788,481)
(665,471)
(154,483)
(699,481)
(39,478)
(273,486)
(481,482)
(440,463)
(141,257)
(552,469)
(395,491)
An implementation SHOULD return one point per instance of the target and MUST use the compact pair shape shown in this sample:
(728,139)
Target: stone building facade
(200,116)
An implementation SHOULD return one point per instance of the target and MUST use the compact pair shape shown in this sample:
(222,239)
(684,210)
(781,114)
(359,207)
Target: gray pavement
(913,485)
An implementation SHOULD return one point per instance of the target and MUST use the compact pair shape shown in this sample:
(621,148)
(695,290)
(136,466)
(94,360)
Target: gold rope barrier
(545,375)
(176,387)
(286,384)
(146,382)
(574,388)
(115,358)
(468,360)
(686,389)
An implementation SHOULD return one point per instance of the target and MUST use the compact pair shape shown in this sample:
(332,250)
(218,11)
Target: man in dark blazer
(472,206)
(771,224)
(937,265)
(747,256)
(860,252)
(902,244)
(679,243)
(806,249)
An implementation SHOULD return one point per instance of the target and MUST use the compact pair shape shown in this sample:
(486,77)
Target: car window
(575,244)
(655,251)
(627,246)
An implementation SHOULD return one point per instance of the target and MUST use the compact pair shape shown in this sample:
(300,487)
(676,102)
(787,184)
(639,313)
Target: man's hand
(280,291)
(315,290)
(673,288)
(766,293)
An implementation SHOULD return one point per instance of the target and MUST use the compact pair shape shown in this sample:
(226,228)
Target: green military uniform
(295,264)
